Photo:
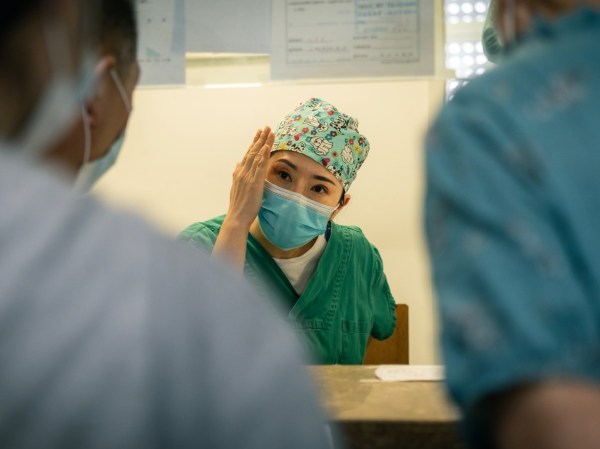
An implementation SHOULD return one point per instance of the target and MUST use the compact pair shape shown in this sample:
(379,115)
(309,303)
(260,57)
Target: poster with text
(228,26)
(352,38)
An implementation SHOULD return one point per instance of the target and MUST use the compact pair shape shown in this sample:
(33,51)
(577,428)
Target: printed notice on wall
(352,38)
(161,46)
(228,26)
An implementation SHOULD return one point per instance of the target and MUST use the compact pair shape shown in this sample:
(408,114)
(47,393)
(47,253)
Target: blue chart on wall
(161,48)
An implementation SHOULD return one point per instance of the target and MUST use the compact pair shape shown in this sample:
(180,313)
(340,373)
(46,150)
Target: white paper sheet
(352,38)
(228,26)
(407,373)
(161,48)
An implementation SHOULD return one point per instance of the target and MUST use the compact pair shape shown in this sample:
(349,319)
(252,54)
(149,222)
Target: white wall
(183,144)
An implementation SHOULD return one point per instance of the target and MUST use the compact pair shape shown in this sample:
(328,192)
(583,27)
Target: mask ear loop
(121,89)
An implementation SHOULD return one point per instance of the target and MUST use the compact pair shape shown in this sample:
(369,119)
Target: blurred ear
(95,105)
(341,206)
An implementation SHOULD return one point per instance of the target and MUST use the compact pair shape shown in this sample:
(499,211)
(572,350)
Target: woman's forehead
(304,164)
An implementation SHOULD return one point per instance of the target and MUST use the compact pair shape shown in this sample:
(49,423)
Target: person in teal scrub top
(512,215)
(279,231)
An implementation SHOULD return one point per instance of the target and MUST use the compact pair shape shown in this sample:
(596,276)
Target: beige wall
(183,144)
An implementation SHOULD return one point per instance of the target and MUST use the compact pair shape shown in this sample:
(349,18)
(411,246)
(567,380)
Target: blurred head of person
(511,18)
(45,47)
(93,143)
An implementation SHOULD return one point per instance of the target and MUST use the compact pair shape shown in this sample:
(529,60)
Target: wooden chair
(394,350)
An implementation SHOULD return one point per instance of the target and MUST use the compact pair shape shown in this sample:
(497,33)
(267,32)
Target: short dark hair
(117,16)
(13,12)
(118,31)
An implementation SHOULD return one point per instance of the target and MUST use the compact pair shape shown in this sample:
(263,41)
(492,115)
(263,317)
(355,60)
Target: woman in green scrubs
(279,231)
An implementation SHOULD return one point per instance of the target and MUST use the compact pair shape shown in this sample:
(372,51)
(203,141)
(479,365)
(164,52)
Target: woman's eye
(284,175)
(319,189)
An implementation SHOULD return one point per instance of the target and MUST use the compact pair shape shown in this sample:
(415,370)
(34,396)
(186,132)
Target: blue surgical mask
(495,46)
(491,40)
(289,220)
(91,171)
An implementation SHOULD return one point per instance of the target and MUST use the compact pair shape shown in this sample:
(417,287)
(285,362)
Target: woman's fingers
(261,166)
(254,140)
(262,137)
(261,140)
(257,135)
(251,148)
(258,159)
(265,151)
(257,142)
(270,140)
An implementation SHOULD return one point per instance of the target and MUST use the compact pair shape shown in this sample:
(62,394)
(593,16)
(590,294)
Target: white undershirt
(300,269)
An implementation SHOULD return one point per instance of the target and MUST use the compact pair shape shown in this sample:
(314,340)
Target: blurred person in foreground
(512,222)
(109,338)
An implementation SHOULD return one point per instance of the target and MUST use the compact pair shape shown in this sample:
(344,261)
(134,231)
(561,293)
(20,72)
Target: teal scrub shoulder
(359,240)
(203,234)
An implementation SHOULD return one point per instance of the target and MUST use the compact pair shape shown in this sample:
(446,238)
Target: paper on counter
(407,373)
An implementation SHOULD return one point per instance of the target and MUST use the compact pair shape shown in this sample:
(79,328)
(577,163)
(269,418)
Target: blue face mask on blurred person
(490,39)
(495,46)
(92,171)
(290,220)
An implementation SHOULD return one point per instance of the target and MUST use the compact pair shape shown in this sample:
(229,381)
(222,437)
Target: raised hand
(248,180)
(244,200)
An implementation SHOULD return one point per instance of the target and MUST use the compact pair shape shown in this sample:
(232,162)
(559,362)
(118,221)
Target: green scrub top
(346,300)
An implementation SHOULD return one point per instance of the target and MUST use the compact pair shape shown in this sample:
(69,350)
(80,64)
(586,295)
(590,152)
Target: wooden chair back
(394,350)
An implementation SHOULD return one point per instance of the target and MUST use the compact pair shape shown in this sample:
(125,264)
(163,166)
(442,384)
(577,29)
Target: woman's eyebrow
(285,161)
(324,179)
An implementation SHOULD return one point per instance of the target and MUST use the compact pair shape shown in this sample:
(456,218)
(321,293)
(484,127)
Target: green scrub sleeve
(384,305)
(201,235)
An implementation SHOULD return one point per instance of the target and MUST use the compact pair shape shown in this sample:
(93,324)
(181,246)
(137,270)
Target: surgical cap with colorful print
(327,136)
